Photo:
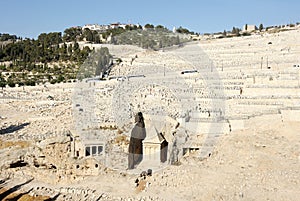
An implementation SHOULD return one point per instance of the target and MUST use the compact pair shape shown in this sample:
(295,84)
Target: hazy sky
(29,18)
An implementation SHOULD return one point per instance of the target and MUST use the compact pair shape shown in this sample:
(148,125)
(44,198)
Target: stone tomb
(155,146)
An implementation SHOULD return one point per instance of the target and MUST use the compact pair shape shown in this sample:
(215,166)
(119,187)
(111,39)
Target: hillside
(236,133)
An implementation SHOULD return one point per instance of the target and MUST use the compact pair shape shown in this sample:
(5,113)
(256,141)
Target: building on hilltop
(96,27)
(117,25)
(249,28)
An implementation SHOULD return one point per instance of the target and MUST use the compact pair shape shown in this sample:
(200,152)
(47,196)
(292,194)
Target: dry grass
(24,197)
(119,131)
(110,127)
(21,144)
(30,198)
(142,186)
(121,139)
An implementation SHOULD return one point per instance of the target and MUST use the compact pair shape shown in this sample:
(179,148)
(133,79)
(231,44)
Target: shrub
(30,82)
(21,84)
(11,83)
(53,81)
(2,84)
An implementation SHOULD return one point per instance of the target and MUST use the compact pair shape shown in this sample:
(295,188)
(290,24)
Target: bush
(60,78)
(11,83)
(2,84)
(3,67)
(53,81)
(246,34)
(30,83)
(21,84)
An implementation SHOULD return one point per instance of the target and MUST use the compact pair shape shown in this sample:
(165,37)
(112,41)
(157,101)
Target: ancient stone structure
(138,134)
(155,147)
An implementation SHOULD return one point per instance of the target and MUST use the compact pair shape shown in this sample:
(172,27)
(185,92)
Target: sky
(31,17)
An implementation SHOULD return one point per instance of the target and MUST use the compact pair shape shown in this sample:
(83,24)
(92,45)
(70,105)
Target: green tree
(128,27)
(64,52)
(7,37)
(71,34)
(11,83)
(160,27)
(30,82)
(70,49)
(76,47)
(96,37)
(88,34)
(53,81)
(261,27)
(2,82)
(235,31)
(149,26)
(60,78)
(183,30)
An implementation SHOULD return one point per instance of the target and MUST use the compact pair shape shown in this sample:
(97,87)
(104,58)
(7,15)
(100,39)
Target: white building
(249,28)
(95,27)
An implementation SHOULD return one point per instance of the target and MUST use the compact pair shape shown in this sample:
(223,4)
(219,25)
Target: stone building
(155,146)
(249,28)
(87,148)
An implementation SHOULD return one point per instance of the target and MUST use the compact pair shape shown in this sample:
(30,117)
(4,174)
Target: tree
(96,37)
(128,27)
(76,47)
(6,37)
(64,52)
(71,34)
(183,30)
(53,81)
(88,35)
(2,82)
(49,39)
(70,49)
(60,78)
(261,27)
(11,83)
(160,28)
(235,31)
(119,60)
(149,26)
(30,82)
